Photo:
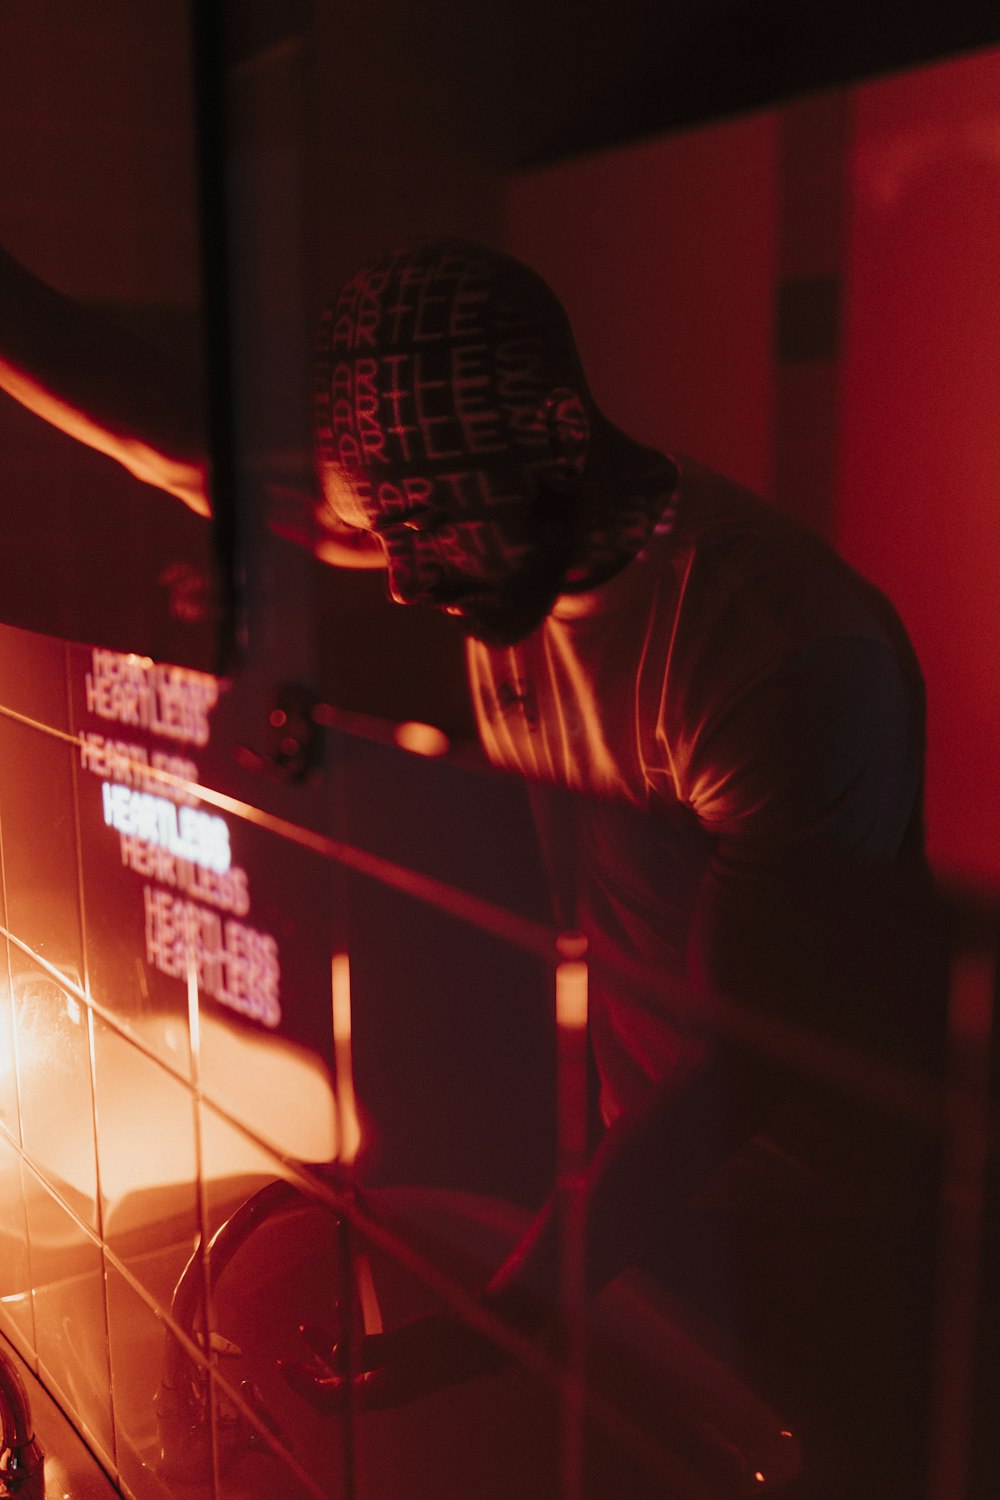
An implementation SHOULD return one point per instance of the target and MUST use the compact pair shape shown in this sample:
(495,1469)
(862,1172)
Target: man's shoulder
(713,509)
(764,569)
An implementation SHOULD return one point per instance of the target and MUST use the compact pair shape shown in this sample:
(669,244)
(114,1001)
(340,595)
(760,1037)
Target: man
(645,632)
(745,711)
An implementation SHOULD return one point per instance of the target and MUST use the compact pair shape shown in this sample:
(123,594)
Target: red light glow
(571,996)
(421,739)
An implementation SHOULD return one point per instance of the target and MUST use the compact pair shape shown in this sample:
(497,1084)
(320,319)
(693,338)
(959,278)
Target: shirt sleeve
(813,904)
(821,753)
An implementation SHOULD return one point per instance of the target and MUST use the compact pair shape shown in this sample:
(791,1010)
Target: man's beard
(509,614)
(504,625)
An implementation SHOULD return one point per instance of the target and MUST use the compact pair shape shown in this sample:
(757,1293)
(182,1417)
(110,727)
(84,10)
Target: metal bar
(349,1140)
(572,1115)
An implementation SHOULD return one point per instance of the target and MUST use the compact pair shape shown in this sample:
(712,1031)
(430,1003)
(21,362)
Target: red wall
(668,255)
(664,255)
(920,422)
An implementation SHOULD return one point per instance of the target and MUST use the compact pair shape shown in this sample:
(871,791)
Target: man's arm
(86,376)
(646,1168)
(649,1164)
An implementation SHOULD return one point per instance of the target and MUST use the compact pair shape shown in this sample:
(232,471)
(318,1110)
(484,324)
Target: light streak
(194,1013)
(571,1102)
(350,1126)
(371,1312)
(571,995)
(421,739)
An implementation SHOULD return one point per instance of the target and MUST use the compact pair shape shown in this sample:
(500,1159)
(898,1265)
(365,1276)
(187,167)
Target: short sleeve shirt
(737,682)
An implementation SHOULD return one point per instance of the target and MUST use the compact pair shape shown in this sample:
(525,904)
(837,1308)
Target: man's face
(430,436)
(485,545)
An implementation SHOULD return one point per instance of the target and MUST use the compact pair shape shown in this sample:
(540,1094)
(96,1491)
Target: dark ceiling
(538,80)
(581,76)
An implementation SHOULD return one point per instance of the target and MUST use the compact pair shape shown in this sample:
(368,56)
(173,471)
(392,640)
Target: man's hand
(390,1369)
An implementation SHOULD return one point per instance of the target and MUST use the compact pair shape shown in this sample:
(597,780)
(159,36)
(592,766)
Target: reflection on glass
(136,1341)
(275,1262)
(70,1324)
(8,1069)
(158,869)
(148,1161)
(280,1091)
(106,214)
(54,1085)
(39,845)
(16,1308)
(33,676)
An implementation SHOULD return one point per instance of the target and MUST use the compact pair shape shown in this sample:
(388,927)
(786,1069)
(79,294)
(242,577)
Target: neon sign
(236,965)
(169,701)
(186,832)
(193,896)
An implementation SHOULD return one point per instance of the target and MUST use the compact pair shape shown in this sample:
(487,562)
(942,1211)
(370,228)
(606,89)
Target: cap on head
(436,354)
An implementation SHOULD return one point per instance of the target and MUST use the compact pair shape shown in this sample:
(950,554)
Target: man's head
(453,421)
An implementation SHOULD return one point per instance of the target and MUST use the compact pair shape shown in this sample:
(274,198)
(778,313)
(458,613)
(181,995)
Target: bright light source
(571,995)
(421,739)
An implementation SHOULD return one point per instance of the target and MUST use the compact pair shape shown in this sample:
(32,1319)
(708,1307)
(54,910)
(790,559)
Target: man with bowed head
(644,631)
(743,711)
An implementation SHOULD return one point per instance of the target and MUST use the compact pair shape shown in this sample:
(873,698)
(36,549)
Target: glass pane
(105,335)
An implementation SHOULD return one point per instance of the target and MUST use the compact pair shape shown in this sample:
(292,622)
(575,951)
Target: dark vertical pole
(208,72)
(964,1193)
(571,978)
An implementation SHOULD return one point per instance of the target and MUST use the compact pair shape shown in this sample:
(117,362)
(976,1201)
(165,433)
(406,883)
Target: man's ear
(567,428)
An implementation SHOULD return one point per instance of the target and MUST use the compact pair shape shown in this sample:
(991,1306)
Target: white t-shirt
(741,686)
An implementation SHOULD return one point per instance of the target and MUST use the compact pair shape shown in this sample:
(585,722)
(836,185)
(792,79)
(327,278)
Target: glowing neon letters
(133,690)
(193,894)
(186,832)
(237,965)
